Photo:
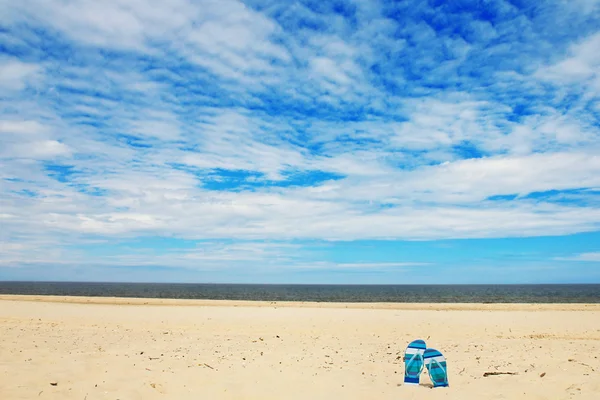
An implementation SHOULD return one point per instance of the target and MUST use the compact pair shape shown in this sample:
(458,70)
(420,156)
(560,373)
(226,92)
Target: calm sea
(321,293)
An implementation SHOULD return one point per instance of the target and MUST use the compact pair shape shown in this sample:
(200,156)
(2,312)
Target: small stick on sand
(485,374)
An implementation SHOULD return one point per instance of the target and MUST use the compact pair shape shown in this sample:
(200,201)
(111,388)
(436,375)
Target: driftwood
(485,374)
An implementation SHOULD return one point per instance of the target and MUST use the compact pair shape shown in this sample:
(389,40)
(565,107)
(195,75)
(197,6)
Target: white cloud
(476,179)
(225,36)
(204,255)
(43,149)
(328,69)
(15,75)
(592,257)
(21,127)
(472,180)
(580,66)
(114,23)
(230,140)
(357,266)
(30,140)
(161,125)
(436,123)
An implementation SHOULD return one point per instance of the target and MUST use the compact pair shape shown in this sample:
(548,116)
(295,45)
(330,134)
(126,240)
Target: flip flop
(436,365)
(413,362)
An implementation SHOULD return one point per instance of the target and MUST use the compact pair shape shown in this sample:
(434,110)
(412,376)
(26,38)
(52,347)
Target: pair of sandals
(417,356)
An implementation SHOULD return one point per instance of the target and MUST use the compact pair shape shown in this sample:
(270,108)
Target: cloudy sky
(307,142)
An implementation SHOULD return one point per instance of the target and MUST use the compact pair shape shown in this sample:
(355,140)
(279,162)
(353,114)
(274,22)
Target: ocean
(567,293)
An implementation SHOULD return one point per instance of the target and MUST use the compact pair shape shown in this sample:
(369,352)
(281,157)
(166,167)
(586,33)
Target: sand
(103,348)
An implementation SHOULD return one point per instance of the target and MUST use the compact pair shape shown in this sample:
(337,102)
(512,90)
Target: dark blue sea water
(320,293)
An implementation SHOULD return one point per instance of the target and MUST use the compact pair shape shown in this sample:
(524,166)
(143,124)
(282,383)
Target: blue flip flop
(436,365)
(413,361)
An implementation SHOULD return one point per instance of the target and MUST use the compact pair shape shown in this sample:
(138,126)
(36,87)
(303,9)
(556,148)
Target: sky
(357,141)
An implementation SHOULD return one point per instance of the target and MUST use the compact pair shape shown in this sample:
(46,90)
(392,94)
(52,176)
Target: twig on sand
(485,374)
(580,363)
(208,366)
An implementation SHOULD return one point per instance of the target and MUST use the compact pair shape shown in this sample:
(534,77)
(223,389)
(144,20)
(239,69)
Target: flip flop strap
(409,362)
(442,368)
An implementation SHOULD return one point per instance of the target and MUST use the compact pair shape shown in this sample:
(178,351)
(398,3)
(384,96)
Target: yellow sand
(104,348)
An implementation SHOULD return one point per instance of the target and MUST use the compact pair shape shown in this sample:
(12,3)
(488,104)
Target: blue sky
(306,142)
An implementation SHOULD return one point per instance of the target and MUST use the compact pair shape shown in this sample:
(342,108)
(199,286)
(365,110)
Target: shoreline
(137,301)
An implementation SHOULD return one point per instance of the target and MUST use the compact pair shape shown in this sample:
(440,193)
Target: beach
(111,348)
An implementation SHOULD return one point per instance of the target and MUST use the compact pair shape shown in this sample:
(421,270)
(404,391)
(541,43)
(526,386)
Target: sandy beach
(104,348)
